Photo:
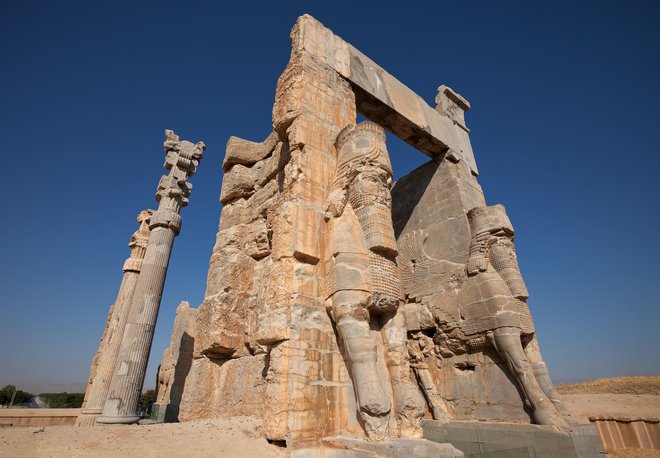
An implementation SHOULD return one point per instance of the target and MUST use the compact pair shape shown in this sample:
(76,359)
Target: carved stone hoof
(440,415)
(550,417)
(409,408)
(561,407)
(373,400)
(376,427)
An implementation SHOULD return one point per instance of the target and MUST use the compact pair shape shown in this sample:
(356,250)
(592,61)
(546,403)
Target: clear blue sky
(565,99)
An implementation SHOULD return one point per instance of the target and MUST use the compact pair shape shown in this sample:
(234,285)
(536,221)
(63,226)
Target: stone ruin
(352,314)
(175,365)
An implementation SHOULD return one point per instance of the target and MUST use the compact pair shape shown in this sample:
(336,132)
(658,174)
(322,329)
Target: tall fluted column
(103,364)
(181,159)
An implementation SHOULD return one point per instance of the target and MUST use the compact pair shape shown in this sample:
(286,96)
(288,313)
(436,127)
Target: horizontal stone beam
(381,97)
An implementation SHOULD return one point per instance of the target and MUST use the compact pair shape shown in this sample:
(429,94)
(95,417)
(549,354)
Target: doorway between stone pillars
(405,159)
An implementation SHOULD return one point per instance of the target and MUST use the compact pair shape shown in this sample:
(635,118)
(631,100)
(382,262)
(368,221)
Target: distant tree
(63,400)
(146,402)
(19,398)
(22,396)
(148,397)
(6,393)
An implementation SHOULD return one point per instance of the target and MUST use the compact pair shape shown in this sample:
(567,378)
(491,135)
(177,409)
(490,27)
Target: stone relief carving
(363,285)
(481,304)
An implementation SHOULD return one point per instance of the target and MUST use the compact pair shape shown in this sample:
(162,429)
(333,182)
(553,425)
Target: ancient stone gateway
(351,316)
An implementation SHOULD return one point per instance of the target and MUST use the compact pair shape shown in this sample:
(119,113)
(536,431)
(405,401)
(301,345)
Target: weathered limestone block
(344,447)
(245,152)
(235,322)
(480,438)
(451,104)
(257,243)
(224,388)
(436,198)
(240,181)
(223,330)
(175,365)
(465,383)
(264,303)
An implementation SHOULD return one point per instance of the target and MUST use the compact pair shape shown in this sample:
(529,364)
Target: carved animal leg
(409,402)
(543,375)
(352,320)
(438,406)
(507,342)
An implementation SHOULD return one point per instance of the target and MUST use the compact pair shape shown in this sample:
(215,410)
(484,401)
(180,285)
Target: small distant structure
(37,402)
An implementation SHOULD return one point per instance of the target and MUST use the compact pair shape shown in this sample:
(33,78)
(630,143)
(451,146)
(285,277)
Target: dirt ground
(236,437)
(241,437)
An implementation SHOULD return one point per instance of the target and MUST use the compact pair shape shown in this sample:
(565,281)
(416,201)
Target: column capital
(181,159)
(139,241)
(166,218)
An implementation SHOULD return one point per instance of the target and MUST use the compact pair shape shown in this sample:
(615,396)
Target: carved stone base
(513,440)
(342,447)
(165,413)
(118,419)
(88,417)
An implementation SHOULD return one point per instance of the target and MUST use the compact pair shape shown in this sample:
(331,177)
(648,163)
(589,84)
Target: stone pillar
(182,159)
(103,363)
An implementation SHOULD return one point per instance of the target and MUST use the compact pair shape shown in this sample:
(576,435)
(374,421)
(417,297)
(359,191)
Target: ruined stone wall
(38,417)
(620,433)
(226,374)
(265,345)
(175,365)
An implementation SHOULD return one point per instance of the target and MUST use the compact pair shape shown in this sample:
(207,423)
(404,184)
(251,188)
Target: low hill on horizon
(636,384)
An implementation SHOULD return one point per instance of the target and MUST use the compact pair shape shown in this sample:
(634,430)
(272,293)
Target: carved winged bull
(475,305)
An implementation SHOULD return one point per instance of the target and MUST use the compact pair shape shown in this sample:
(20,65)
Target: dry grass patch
(639,384)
